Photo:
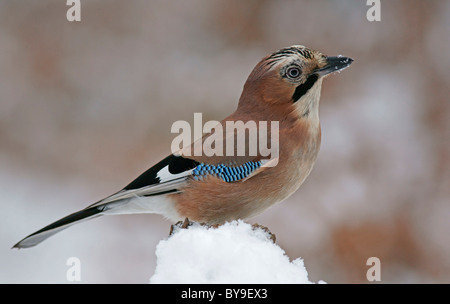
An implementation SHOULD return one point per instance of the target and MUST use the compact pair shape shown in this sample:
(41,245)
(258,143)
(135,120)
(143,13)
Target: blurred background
(85,107)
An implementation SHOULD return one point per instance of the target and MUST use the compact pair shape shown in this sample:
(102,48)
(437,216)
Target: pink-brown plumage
(266,97)
(284,87)
(215,201)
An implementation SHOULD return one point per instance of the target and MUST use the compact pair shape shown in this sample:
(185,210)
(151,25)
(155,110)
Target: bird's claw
(180,225)
(187,223)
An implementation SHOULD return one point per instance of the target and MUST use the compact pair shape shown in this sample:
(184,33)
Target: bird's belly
(215,201)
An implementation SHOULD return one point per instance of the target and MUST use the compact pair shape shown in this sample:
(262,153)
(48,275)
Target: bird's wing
(167,176)
(171,175)
(235,142)
(232,151)
(207,156)
(265,164)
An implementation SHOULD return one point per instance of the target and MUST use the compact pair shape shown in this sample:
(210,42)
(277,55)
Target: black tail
(65,222)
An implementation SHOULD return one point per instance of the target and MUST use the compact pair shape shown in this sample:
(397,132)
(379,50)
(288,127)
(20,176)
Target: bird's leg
(187,223)
(180,225)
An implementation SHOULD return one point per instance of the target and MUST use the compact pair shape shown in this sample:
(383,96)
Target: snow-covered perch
(234,252)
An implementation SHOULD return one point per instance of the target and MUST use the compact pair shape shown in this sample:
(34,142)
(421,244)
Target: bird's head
(290,76)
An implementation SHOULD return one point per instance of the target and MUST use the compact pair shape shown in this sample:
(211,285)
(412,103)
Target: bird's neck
(254,106)
(307,107)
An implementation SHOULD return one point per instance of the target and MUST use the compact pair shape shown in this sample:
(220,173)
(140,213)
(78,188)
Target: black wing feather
(177,164)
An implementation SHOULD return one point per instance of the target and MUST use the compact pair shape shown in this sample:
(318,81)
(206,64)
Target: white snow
(232,253)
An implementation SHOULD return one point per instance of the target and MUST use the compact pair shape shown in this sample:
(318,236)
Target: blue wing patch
(226,173)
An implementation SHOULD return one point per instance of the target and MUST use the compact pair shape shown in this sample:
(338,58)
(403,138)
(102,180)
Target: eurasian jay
(214,188)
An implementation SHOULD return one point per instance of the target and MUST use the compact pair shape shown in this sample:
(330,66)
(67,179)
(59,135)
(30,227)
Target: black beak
(334,64)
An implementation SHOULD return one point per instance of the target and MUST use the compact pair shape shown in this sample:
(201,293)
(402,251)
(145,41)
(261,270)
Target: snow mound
(234,252)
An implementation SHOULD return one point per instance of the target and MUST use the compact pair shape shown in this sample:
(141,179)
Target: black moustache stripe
(304,88)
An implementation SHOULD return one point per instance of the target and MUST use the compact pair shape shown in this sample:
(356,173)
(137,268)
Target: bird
(283,87)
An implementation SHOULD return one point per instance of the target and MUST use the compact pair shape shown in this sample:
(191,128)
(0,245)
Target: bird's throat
(302,89)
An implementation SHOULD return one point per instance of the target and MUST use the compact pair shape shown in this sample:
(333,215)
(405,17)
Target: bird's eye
(293,72)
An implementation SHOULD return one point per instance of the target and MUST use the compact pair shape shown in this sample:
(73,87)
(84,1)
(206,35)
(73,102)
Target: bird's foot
(187,223)
(180,225)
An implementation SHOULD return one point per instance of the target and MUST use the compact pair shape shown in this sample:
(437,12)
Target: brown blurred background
(87,106)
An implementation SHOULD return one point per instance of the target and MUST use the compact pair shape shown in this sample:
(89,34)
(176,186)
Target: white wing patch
(164,175)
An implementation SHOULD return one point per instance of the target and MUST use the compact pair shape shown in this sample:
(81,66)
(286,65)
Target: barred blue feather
(226,173)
